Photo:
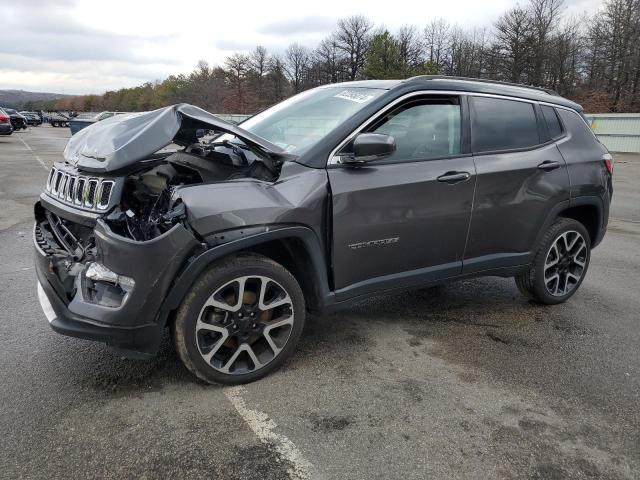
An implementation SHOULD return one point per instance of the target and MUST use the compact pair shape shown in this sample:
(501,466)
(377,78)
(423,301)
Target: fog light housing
(105,287)
(99,273)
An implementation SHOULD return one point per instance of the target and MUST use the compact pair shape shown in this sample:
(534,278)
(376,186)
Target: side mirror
(370,146)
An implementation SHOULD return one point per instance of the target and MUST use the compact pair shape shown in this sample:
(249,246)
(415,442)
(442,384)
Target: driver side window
(423,130)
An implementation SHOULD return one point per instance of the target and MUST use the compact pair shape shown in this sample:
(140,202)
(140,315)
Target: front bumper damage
(132,323)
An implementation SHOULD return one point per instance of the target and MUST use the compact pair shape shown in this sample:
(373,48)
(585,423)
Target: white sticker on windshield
(354,96)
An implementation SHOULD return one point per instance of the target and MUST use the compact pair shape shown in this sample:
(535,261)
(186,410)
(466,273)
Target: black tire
(190,343)
(545,290)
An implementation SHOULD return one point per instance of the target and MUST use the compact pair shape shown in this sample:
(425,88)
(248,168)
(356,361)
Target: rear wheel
(560,264)
(240,320)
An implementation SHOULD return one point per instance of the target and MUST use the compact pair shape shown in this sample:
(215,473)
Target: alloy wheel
(565,263)
(244,325)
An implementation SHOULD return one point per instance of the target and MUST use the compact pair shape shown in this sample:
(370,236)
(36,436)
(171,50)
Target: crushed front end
(93,282)
(111,231)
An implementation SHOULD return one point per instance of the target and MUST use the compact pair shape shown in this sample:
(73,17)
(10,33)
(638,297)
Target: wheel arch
(296,248)
(588,210)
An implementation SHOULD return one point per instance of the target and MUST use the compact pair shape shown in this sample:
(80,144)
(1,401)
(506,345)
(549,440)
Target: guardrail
(620,132)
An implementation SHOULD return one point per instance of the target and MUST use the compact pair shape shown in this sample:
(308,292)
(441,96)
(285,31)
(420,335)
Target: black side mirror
(370,146)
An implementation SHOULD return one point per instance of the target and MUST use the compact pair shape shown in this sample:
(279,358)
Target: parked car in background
(32,118)
(5,123)
(58,120)
(77,124)
(339,193)
(18,121)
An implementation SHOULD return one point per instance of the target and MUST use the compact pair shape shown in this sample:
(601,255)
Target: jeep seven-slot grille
(80,190)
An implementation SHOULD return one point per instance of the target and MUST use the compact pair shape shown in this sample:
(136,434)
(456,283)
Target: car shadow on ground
(482,307)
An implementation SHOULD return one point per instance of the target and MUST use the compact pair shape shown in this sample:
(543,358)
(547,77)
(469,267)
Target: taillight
(608,162)
(4,118)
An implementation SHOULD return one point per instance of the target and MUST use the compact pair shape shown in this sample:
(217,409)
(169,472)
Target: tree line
(594,60)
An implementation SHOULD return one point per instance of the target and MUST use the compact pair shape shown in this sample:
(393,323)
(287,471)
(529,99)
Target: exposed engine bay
(151,204)
(122,180)
(120,170)
(140,204)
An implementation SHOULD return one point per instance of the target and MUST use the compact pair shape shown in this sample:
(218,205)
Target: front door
(404,219)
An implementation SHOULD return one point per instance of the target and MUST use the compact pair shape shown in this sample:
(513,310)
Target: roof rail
(484,80)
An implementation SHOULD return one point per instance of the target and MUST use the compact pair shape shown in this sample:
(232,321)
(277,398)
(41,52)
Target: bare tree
(259,63)
(545,15)
(237,66)
(411,51)
(277,80)
(513,41)
(329,59)
(594,60)
(436,39)
(297,60)
(352,38)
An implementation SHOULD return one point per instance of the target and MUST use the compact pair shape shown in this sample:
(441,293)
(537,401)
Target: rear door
(405,218)
(521,176)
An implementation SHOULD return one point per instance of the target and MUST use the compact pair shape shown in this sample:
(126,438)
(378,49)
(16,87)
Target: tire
(208,335)
(565,252)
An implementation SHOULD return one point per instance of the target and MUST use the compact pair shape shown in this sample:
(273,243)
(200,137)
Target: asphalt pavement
(466,380)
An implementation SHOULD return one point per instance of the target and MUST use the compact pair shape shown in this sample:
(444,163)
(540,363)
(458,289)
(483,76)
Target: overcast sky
(90,46)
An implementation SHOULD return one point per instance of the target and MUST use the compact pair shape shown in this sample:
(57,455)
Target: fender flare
(597,202)
(198,264)
(559,207)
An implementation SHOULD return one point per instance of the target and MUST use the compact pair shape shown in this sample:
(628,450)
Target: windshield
(300,122)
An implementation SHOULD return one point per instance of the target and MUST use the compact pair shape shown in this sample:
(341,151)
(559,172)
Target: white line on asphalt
(264,427)
(44,165)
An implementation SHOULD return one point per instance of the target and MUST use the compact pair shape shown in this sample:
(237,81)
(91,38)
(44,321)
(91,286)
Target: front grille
(104,194)
(87,192)
(90,193)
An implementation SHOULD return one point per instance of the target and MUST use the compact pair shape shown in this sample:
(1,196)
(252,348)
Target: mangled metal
(123,140)
(139,198)
(120,189)
(119,168)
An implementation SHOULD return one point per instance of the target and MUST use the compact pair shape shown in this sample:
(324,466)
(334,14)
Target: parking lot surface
(467,380)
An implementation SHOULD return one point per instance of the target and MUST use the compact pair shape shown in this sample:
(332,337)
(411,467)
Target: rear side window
(551,119)
(499,124)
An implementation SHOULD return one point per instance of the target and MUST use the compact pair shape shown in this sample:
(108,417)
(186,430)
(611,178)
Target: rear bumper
(6,129)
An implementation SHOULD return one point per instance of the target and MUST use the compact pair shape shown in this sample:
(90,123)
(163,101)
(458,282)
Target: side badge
(374,243)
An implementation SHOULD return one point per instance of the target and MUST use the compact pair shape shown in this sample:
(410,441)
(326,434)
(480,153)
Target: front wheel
(560,264)
(240,320)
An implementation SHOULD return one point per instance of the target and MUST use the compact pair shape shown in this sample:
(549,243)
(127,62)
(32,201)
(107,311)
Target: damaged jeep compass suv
(230,234)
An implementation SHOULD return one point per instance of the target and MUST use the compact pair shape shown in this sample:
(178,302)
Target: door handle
(454,177)
(549,165)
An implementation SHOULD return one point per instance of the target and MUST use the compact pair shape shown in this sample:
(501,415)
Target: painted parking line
(264,427)
(44,165)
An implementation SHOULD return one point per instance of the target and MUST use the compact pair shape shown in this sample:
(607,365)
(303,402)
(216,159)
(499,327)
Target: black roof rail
(484,80)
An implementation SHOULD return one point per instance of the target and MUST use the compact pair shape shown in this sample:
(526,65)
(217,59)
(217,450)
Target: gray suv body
(338,193)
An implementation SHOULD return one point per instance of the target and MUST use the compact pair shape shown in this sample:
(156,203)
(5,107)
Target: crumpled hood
(122,140)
